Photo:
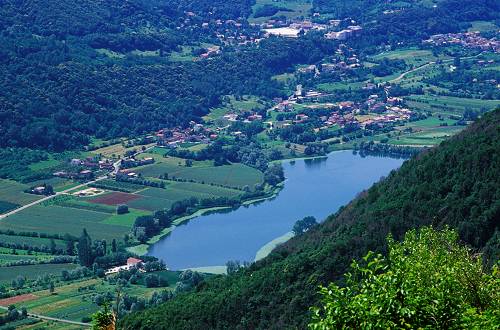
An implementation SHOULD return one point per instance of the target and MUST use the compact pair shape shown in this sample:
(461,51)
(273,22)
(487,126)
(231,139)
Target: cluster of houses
(131,263)
(338,66)
(211,51)
(351,31)
(41,190)
(172,138)
(466,39)
(378,112)
(290,28)
(132,162)
(293,28)
(83,169)
(246,117)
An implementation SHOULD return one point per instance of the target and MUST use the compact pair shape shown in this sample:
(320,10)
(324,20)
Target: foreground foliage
(427,281)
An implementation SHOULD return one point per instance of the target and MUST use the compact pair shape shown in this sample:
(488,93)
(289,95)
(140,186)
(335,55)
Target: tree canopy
(427,281)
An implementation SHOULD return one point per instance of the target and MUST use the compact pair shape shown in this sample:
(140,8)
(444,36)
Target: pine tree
(85,249)
(113,245)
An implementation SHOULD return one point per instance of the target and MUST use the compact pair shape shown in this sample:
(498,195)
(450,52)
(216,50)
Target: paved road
(5,215)
(48,318)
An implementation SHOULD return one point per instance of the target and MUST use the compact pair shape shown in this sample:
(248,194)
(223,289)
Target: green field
(33,241)
(55,219)
(427,138)
(185,55)
(483,26)
(6,256)
(126,220)
(412,56)
(7,274)
(7,206)
(12,192)
(236,175)
(449,104)
(342,86)
(157,198)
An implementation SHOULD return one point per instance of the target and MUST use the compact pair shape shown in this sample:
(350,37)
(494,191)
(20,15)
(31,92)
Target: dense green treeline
(57,91)
(456,184)
(71,71)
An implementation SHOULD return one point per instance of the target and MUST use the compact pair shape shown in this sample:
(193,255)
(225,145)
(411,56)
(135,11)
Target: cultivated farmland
(114,198)
(31,241)
(235,175)
(54,219)
(13,192)
(7,274)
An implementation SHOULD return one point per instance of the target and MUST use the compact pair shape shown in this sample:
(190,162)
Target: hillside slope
(455,184)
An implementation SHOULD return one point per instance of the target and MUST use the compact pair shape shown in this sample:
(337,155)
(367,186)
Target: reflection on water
(316,187)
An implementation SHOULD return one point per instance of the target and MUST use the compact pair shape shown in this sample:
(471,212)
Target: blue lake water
(316,187)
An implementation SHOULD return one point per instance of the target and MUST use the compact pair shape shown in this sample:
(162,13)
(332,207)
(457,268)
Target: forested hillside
(456,184)
(70,72)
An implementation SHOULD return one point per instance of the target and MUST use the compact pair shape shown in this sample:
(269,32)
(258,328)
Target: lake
(316,187)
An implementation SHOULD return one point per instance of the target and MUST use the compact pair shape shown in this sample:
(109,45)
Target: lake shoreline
(316,186)
(143,249)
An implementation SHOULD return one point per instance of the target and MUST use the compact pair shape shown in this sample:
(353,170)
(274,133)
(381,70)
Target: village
(466,39)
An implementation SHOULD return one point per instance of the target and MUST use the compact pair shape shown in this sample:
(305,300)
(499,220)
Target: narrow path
(48,318)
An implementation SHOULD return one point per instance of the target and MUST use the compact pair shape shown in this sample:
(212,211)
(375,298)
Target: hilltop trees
(427,281)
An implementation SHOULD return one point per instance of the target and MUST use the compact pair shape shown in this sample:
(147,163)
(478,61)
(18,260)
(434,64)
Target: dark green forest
(456,184)
(60,86)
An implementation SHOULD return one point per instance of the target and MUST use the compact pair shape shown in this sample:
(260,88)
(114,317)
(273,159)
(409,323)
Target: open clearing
(412,56)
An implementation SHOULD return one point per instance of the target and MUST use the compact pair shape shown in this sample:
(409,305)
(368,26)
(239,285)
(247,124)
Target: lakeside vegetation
(427,190)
